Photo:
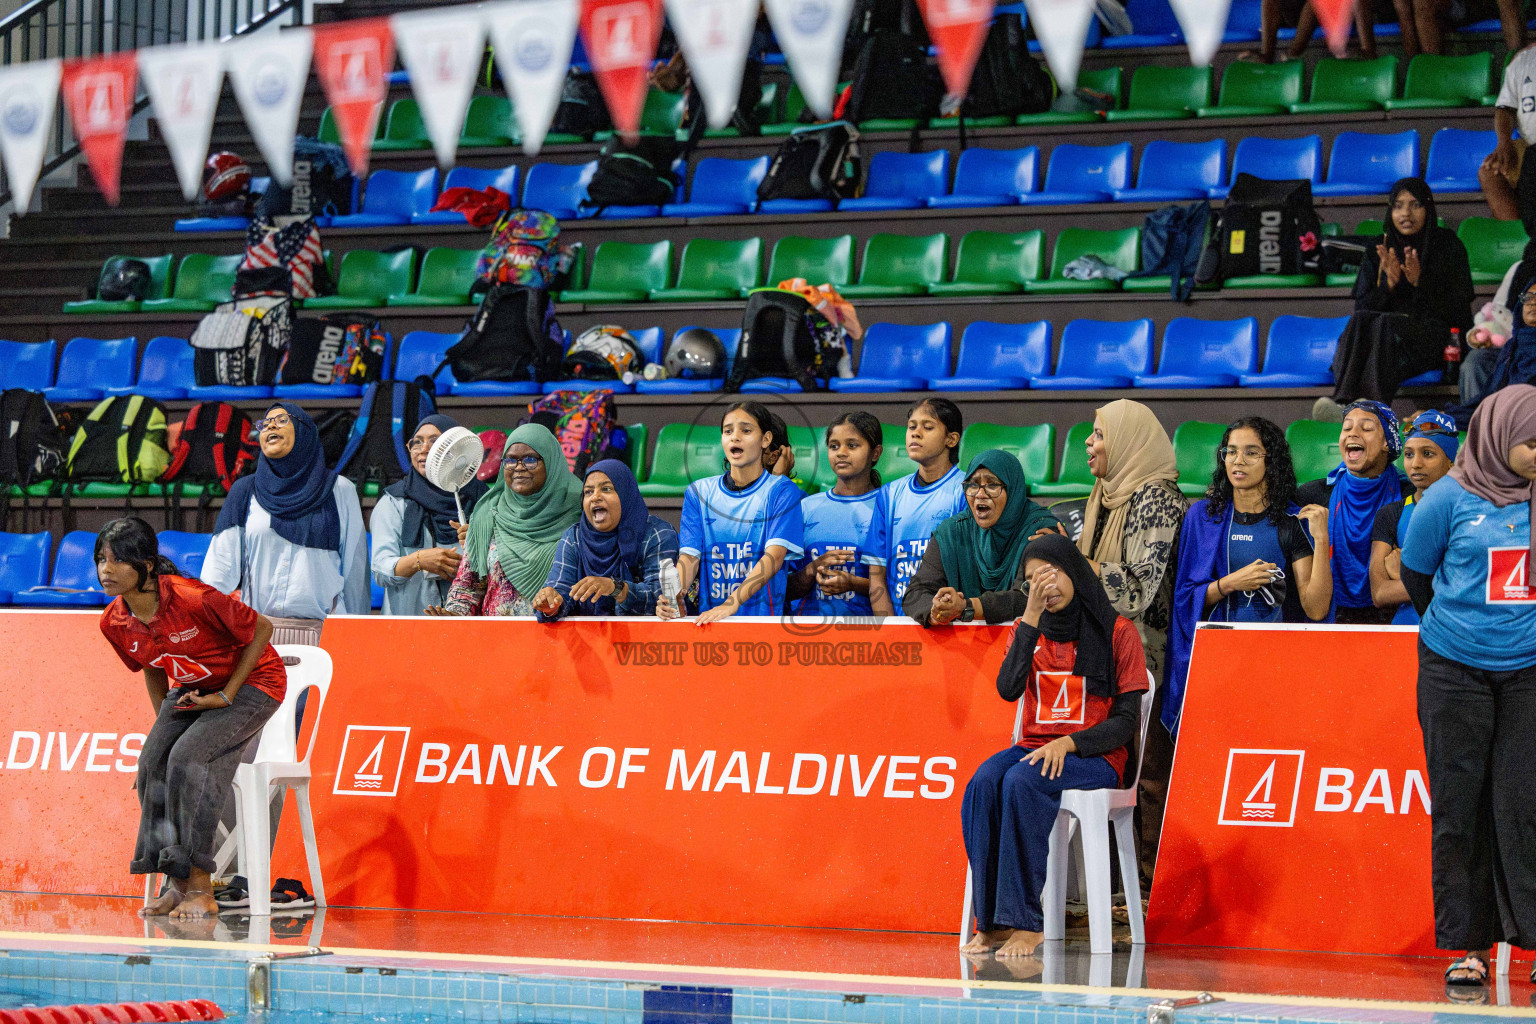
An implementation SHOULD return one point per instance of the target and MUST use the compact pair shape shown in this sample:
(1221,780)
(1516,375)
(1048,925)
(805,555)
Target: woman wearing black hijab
(1079,667)
(1414,286)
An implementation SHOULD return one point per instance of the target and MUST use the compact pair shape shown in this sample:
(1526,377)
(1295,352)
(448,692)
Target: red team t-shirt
(1057,703)
(197,637)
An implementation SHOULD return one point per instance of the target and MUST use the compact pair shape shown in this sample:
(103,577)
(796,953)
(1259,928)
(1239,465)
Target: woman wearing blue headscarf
(609,562)
(1428,454)
(290,536)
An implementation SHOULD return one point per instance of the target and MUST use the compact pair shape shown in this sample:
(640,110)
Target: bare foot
(985,942)
(1021,943)
(196,904)
(163,904)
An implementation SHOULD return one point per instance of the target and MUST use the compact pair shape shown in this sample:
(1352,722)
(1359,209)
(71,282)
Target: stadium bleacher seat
(1083,174)
(445,279)
(1176,171)
(558,189)
(420,352)
(202,282)
(368,278)
(503,178)
(990,177)
(490,122)
(1164,93)
(1298,353)
(328,132)
(898,357)
(788,118)
(766,110)
(729,337)
(823,260)
(1099,354)
(1109,81)
(662,114)
(186,550)
(899,265)
(1350,84)
(1455,155)
(23,562)
(684,453)
(1493,246)
(1194,451)
(1155,25)
(1119,248)
(1251,89)
(88,366)
(1205,354)
(403,128)
(625,272)
(902,181)
(1073,479)
(159,286)
(721,188)
(648,340)
(1276,159)
(1444,81)
(392,197)
(27,364)
(1034,446)
(1314,448)
(1244,22)
(998,357)
(74,574)
(165,371)
(994,263)
(715,269)
(1367,163)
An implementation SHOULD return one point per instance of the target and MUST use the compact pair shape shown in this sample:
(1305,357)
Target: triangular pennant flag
(810,32)
(267,72)
(621,38)
(353,60)
(1336,17)
(958,28)
(98,93)
(442,49)
(28,93)
(1204,23)
(183,83)
(715,36)
(532,40)
(1062,28)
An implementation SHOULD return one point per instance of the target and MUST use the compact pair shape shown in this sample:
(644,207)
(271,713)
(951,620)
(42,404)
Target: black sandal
(234,895)
(1472,963)
(290,894)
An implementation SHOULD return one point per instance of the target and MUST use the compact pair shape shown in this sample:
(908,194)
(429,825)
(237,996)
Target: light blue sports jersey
(1484,611)
(906,516)
(730,531)
(837,523)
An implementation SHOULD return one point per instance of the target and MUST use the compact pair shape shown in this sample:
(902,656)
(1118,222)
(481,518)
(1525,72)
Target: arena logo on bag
(1509,578)
(374,761)
(1262,788)
(181,669)
(1059,698)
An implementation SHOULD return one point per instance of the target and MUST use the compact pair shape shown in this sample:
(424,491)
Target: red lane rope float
(175,1011)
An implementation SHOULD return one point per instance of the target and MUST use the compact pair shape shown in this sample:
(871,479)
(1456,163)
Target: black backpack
(512,336)
(1266,227)
(815,163)
(783,335)
(387,417)
(241,343)
(893,79)
(321,184)
(32,444)
(581,111)
(1007,80)
(1173,243)
(634,175)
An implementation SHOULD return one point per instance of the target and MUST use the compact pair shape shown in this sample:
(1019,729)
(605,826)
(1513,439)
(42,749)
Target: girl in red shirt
(213,679)
(1080,670)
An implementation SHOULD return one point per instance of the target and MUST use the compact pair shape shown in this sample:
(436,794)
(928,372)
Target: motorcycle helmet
(123,279)
(604,352)
(696,353)
(225,177)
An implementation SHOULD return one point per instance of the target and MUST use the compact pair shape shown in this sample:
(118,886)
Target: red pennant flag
(958,28)
(98,93)
(621,37)
(353,60)
(1336,17)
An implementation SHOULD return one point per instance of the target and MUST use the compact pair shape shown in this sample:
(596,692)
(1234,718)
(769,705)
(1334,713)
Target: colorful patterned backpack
(584,421)
(523,251)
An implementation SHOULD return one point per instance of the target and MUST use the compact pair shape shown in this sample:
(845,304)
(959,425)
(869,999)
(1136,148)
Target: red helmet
(225,176)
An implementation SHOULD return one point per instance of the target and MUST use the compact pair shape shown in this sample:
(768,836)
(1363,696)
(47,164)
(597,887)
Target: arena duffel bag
(241,343)
(338,348)
(122,440)
(817,162)
(387,417)
(1265,228)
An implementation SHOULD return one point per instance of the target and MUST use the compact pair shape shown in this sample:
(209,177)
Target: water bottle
(1452,373)
(671,583)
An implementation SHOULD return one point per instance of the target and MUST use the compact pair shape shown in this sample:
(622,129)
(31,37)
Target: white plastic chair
(1094,810)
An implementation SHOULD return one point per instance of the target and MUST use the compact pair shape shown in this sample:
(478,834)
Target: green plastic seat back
(631,266)
(159,273)
(685,453)
(702,455)
(894,463)
(904,259)
(767,108)
(1073,468)
(219,279)
(818,260)
(1493,246)
(1250,84)
(368,273)
(1432,77)
(192,276)
(328,132)
(634,452)
(1107,80)
(1314,448)
(720,263)
(1160,88)
(1119,248)
(404,123)
(1000,257)
(1354,80)
(490,117)
(663,112)
(810,448)
(1194,449)
(447,271)
(1034,446)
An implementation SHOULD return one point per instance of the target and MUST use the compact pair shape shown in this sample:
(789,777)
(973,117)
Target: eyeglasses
(526,461)
(417,443)
(282,419)
(990,490)
(1242,454)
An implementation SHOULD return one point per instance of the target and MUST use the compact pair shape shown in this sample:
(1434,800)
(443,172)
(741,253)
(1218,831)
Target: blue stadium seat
(300,392)
(1084,174)
(165,371)
(23,562)
(211,223)
(88,366)
(902,181)
(901,355)
(1155,25)
(998,357)
(618,387)
(991,177)
(185,549)
(1100,354)
(229,393)
(504,178)
(1276,159)
(1205,354)
(649,341)
(1367,163)
(558,189)
(729,337)
(721,188)
(1298,353)
(74,573)
(1243,22)
(1454,157)
(27,364)
(392,197)
(419,354)
(1176,171)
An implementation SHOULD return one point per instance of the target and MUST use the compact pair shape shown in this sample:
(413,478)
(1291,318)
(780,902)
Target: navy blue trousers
(1007,816)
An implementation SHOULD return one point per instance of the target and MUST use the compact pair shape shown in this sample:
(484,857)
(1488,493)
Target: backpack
(634,175)
(581,111)
(122,440)
(335,428)
(523,251)
(241,343)
(321,184)
(387,417)
(1007,81)
(585,422)
(31,443)
(1266,227)
(820,162)
(339,348)
(783,335)
(892,79)
(283,261)
(1172,242)
(214,446)
(512,336)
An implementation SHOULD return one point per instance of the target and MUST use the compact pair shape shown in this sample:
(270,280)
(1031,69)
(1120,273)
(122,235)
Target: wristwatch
(969,614)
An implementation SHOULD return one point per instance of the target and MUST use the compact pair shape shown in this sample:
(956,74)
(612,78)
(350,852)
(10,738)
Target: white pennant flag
(1204,23)
(533,40)
(28,94)
(183,83)
(268,73)
(1062,28)
(441,49)
(810,32)
(715,36)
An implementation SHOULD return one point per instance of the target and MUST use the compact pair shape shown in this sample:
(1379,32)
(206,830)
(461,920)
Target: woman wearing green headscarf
(973,567)
(515,529)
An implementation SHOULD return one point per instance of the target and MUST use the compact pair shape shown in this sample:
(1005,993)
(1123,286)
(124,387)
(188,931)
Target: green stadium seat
(328,132)
(625,272)
(1250,89)
(489,121)
(1165,93)
(1435,81)
(1105,80)
(1349,84)
(634,452)
(1194,451)
(202,282)
(368,279)
(1073,480)
(900,265)
(159,287)
(1493,246)
(1119,248)
(818,260)
(1034,446)
(713,269)
(684,453)
(1314,448)
(661,115)
(787,118)
(994,263)
(766,109)
(445,279)
(403,128)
